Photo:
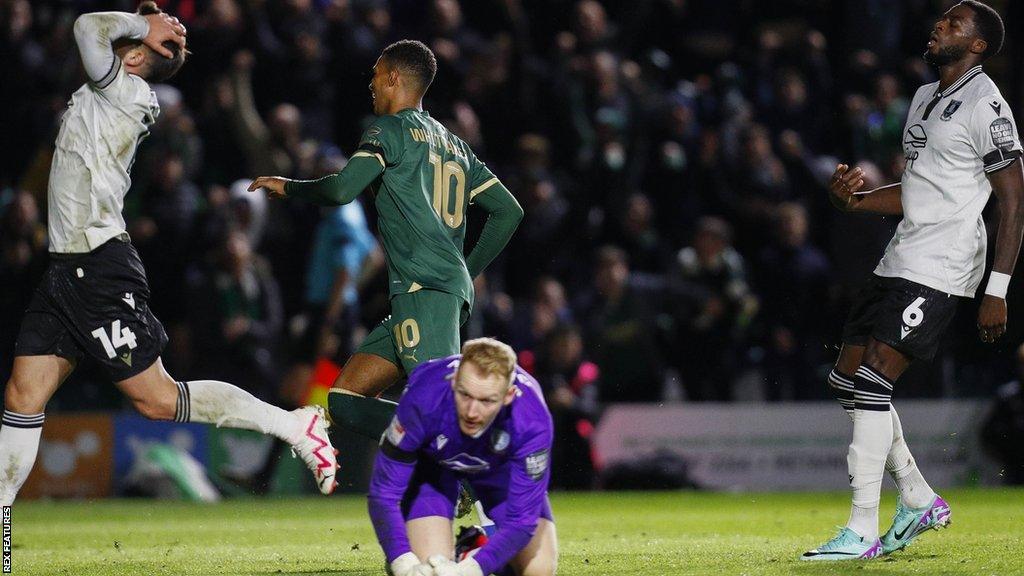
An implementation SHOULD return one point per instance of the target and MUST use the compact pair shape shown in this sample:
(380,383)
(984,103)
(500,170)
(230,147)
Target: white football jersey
(952,140)
(99,135)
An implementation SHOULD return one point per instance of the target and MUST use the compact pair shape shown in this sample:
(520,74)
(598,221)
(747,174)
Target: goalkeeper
(477,417)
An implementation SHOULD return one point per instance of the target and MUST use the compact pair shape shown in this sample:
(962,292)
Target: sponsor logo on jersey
(537,463)
(916,137)
(996,107)
(467,464)
(500,441)
(440,441)
(129,299)
(951,109)
(1002,134)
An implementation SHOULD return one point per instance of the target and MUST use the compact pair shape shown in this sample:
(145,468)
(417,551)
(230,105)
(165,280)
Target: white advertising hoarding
(789,446)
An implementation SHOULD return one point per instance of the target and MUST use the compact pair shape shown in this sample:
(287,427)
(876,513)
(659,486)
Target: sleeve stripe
(364,154)
(111,74)
(482,187)
(371,148)
(996,167)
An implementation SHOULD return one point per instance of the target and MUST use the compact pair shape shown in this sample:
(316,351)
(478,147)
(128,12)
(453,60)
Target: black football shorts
(908,316)
(94,305)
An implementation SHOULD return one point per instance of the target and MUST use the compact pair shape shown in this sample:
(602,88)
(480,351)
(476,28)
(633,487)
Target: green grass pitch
(668,533)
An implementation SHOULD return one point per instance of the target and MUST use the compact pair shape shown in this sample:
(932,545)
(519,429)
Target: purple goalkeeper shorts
(434,491)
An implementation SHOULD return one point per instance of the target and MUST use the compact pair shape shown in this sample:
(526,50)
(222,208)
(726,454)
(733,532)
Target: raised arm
(844,192)
(1008,186)
(95,34)
(504,215)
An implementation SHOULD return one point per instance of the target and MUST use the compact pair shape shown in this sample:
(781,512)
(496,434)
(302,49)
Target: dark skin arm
(1008,186)
(844,192)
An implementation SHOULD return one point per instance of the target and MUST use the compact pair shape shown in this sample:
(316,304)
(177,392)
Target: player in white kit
(961,145)
(93,299)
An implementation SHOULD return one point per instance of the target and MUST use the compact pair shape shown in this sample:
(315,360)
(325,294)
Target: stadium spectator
(344,253)
(618,314)
(638,236)
(236,317)
(792,279)
(542,242)
(570,385)
(22,262)
(714,306)
(534,319)
(162,231)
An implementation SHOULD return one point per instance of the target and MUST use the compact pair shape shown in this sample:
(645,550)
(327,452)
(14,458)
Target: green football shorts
(423,325)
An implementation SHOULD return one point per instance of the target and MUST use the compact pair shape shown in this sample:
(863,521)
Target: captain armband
(395,453)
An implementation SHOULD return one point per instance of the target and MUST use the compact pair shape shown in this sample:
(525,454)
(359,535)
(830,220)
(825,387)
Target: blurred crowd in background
(670,155)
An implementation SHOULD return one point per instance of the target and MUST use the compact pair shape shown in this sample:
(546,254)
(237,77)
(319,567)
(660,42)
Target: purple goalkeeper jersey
(507,463)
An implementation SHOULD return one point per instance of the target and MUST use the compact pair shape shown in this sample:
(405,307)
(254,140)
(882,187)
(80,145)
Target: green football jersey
(430,177)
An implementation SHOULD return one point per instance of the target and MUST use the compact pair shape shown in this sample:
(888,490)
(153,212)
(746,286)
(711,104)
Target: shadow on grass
(888,565)
(324,572)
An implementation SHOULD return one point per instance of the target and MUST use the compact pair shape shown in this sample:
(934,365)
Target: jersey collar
(960,83)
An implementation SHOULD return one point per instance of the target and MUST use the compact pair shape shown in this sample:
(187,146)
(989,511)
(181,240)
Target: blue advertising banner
(133,434)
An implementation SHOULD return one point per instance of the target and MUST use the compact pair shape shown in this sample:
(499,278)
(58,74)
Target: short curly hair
(414,58)
(990,26)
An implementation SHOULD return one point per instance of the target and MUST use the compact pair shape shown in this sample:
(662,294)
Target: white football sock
(914,489)
(19,443)
(872,439)
(226,405)
(872,436)
(864,521)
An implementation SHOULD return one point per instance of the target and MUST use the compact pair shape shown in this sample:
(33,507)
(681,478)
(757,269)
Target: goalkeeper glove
(443,566)
(407,565)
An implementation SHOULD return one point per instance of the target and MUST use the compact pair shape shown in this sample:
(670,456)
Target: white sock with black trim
(226,405)
(900,464)
(19,444)
(914,489)
(872,438)
(842,389)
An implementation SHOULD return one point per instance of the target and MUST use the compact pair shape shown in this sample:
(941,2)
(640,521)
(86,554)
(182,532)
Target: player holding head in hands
(93,299)
(476,417)
(423,179)
(961,145)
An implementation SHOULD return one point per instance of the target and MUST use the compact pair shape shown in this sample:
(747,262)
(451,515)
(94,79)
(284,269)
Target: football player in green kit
(423,179)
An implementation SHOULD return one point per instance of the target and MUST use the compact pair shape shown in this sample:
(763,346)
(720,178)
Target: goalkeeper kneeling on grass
(474,417)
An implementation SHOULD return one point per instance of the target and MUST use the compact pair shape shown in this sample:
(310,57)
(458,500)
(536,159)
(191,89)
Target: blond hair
(490,356)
